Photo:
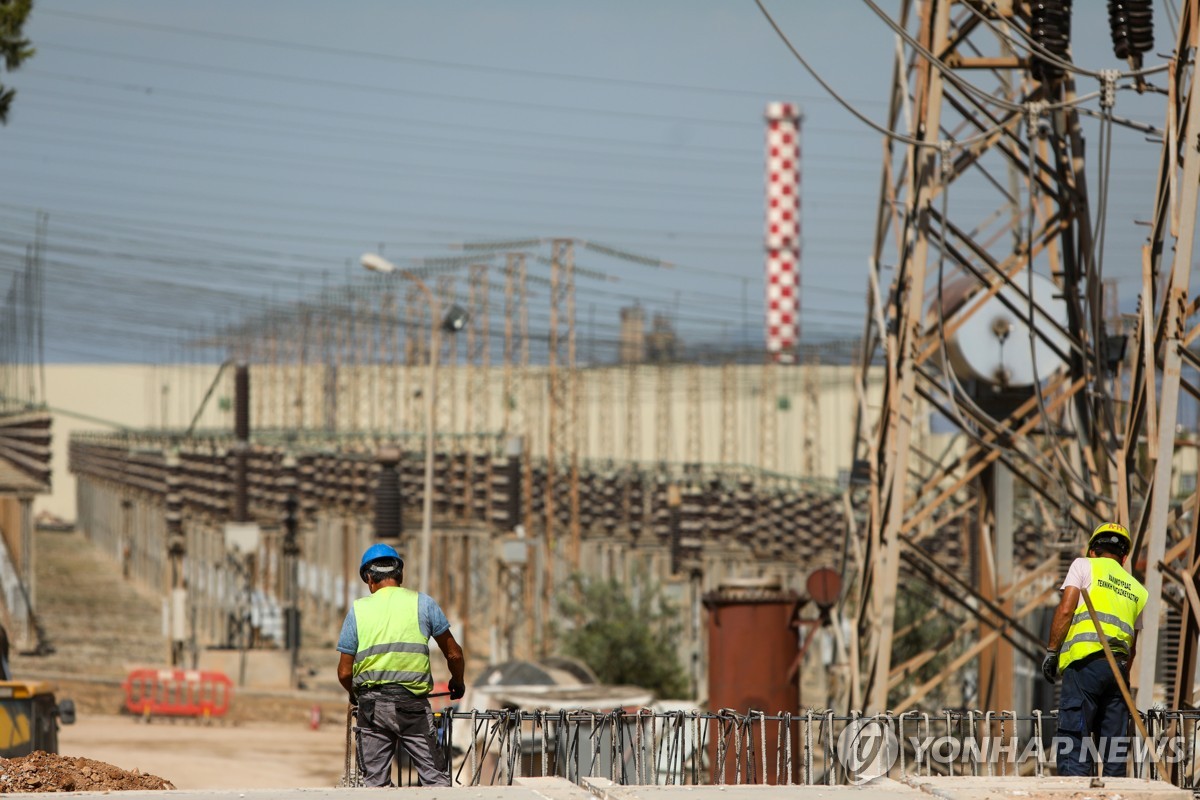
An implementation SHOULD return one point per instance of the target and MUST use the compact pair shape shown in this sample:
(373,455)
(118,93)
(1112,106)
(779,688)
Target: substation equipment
(997,320)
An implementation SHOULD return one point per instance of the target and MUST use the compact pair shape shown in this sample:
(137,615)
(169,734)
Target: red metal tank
(752,647)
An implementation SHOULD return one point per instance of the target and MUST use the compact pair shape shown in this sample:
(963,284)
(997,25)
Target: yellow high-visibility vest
(1118,599)
(391,647)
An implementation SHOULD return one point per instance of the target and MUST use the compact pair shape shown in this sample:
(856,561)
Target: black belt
(386,690)
(1096,656)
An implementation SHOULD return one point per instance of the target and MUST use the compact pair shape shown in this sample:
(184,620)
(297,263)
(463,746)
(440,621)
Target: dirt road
(252,755)
(101,625)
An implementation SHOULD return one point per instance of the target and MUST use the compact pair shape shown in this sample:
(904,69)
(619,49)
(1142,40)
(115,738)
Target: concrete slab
(924,788)
(887,791)
(551,788)
(968,787)
(883,788)
(536,791)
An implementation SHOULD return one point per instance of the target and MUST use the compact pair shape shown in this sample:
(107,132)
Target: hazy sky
(196,158)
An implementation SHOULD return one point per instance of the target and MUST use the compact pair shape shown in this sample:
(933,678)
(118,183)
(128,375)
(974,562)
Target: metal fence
(655,747)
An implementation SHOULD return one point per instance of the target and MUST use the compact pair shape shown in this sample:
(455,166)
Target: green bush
(627,639)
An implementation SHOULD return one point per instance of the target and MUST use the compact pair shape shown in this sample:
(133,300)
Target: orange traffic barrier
(177,693)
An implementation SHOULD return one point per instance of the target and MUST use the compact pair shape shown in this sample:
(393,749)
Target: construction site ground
(101,625)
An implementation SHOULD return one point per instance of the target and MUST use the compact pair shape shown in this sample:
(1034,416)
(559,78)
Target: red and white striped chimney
(783,231)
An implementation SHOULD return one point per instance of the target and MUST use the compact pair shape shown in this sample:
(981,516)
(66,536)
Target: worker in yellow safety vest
(1093,721)
(384,665)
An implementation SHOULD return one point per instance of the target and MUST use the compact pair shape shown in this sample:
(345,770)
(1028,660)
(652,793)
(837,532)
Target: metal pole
(1168,338)
(1120,681)
(430,411)
(430,422)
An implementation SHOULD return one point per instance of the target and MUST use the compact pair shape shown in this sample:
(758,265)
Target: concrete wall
(809,408)
(802,406)
(102,397)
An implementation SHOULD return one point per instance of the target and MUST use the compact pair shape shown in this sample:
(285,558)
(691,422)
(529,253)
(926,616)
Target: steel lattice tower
(984,103)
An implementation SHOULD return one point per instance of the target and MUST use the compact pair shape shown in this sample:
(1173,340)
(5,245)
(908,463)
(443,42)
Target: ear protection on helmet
(380,559)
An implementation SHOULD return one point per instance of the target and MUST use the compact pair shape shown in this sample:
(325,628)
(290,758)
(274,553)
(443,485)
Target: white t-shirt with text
(1080,576)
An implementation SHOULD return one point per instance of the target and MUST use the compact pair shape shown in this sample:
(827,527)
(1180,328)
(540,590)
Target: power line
(388,91)
(308,48)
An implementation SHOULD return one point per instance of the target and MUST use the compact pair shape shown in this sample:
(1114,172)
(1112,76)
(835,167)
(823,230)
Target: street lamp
(454,321)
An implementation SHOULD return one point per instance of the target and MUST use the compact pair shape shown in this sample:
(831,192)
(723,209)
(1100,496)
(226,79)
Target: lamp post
(377,263)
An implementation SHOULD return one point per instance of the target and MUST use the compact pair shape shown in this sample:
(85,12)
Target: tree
(629,640)
(924,627)
(13,47)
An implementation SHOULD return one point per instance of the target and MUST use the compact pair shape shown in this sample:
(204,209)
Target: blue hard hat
(378,552)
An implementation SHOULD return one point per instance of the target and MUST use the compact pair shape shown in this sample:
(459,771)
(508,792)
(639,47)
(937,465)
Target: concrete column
(27,572)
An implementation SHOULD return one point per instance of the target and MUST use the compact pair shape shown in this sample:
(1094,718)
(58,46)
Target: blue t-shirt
(432,618)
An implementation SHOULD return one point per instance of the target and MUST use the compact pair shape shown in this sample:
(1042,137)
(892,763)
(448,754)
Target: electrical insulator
(388,518)
(505,483)
(291,508)
(1050,27)
(241,402)
(562,502)
(587,493)
(442,479)
(607,503)
(1131,23)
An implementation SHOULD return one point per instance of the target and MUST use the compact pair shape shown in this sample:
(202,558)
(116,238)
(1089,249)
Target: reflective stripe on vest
(1118,599)
(1107,619)
(391,647)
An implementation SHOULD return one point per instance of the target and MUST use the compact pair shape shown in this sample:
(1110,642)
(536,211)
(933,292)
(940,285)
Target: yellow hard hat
(1112,534)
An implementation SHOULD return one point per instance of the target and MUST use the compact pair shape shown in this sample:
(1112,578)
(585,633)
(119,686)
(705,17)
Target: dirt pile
(45,772)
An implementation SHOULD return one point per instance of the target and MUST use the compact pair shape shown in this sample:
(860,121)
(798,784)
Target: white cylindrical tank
(992,344)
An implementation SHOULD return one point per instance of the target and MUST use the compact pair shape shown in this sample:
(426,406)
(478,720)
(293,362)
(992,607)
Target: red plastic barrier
(177,693)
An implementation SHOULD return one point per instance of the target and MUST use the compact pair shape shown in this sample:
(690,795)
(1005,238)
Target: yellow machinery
(29,717)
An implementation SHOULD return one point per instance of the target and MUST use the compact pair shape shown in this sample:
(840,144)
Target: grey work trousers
(387,722)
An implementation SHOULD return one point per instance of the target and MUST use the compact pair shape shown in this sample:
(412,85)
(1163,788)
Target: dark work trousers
(388,721)
(1091,708)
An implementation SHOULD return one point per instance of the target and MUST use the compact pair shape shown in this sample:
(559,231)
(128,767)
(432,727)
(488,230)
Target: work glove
(457,689)
(1050,666)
